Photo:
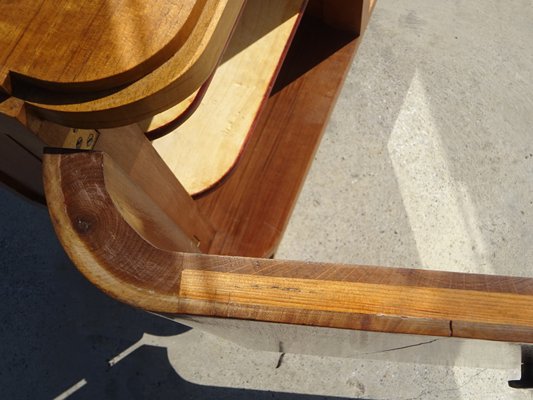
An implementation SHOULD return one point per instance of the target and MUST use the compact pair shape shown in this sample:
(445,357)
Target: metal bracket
(81,139)
(526,380)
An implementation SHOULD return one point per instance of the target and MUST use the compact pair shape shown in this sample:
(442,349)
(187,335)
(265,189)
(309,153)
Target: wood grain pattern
(163,123)
(92,45)
(357,297)
(85,218)
(219,127)
(166,85)
(251,208)
(133,153)
(107,245)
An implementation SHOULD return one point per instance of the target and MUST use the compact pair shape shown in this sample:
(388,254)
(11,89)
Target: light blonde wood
(109,246)
(252,207)
(54,135)
(133,153)
(203,150)
(355,297)
(161,120)
(162,85)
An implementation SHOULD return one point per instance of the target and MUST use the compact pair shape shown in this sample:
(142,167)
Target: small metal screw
(90,140)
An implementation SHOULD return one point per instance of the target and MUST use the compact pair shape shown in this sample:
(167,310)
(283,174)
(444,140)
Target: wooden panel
(251,209)
(91,44)
(20,151)
(129,148)
(105,240)
(20,170)
(165,86)
(218,129)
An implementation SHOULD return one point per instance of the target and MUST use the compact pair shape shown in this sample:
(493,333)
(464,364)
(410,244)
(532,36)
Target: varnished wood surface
(108,244)
(219,127)
(96,45)
(251,208)
(188,61)
(360,297)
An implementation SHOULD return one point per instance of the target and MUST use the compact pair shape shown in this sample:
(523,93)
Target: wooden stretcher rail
(107,228)
(251,207)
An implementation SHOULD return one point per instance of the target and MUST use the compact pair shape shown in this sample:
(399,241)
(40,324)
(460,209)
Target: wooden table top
(101,63)
(95,44)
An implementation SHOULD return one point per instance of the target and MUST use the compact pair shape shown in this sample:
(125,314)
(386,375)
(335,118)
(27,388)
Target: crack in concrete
(402,347)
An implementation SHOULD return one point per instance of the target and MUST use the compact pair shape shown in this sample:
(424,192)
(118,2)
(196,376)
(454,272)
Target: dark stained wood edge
(22,189)
(181,118)
(110,250)
(14,121)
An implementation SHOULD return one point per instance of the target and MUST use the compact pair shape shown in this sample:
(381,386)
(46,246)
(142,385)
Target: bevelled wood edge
(106,242)
(166,86)
(73,71)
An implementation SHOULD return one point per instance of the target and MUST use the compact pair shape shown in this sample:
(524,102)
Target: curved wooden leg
(124,244)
